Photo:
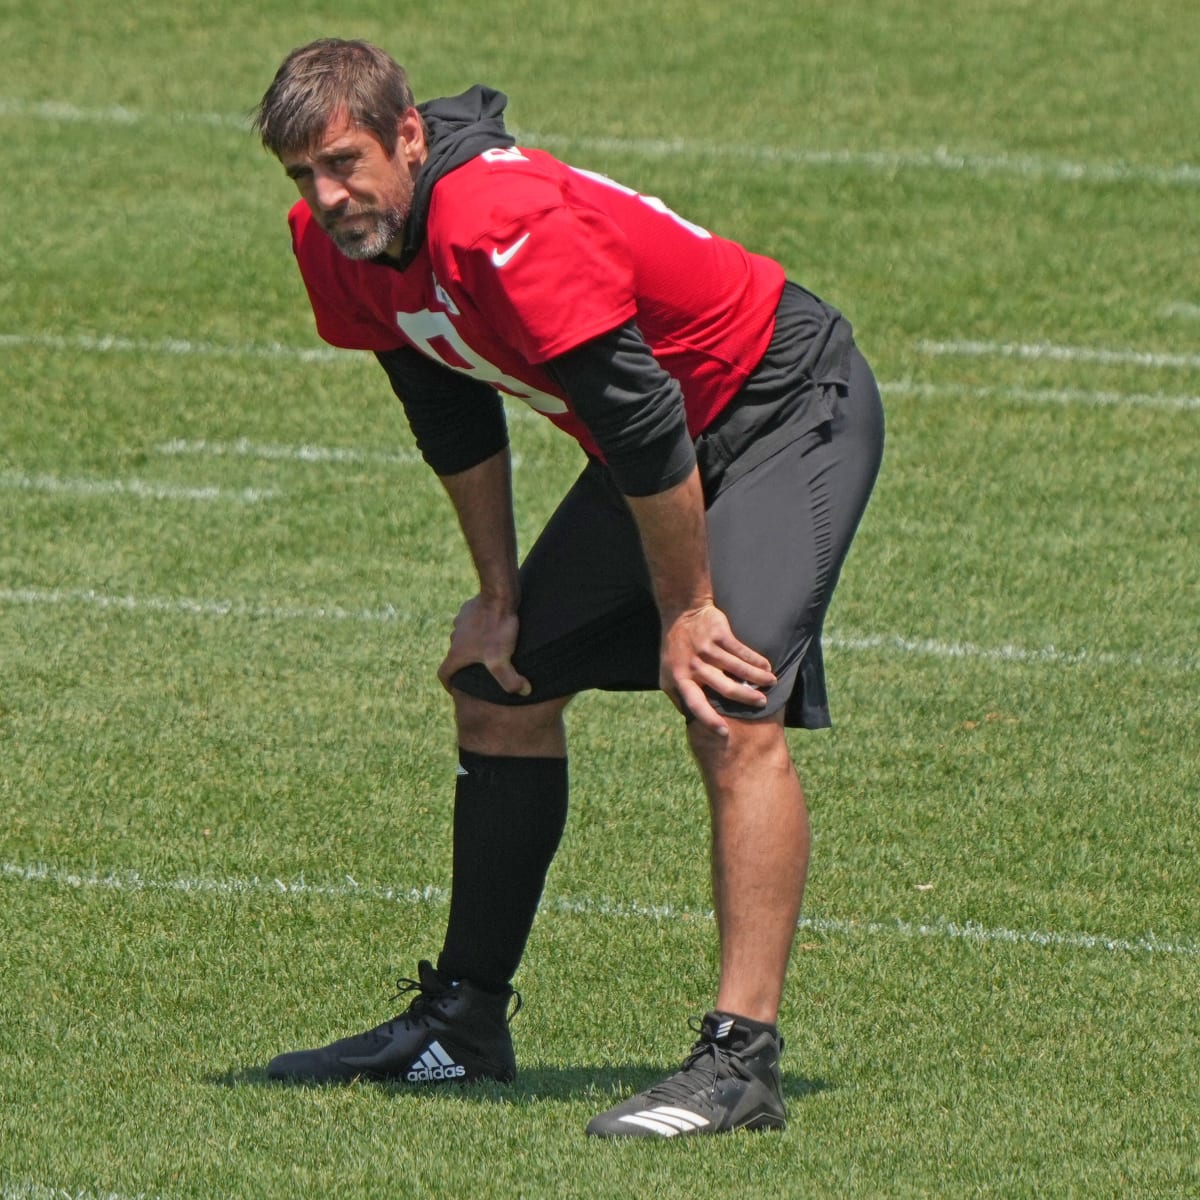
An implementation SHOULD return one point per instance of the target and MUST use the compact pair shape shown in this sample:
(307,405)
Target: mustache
(347,209)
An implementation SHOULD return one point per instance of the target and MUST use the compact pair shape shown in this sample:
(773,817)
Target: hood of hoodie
(457,128)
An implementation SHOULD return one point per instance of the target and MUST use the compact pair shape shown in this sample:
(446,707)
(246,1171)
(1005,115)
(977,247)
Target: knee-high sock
(509,815)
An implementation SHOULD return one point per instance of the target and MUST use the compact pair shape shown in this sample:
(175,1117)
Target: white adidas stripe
(440,1055)
(666,1121)
(659,1127)
(681,1116)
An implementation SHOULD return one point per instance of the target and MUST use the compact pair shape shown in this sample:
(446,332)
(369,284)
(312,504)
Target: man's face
(360,196)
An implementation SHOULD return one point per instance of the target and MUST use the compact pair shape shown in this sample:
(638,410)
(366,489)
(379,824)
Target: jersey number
(650,201)
(433,333)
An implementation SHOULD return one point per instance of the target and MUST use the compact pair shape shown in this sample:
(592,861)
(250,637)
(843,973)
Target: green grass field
(225,584)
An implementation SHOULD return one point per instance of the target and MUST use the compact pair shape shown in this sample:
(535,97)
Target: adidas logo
(724,1029)
(434,1066)
(667,1121)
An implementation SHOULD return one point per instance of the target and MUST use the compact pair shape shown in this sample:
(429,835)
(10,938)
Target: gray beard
(370,240)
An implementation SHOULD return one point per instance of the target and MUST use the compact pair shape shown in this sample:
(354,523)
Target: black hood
(457,128)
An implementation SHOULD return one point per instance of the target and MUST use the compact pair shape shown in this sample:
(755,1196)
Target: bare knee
(751,746)
(522,731)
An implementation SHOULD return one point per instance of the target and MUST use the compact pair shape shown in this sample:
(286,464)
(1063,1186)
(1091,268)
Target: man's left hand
(699,651)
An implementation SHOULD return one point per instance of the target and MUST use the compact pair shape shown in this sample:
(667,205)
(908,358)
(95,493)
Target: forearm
(699,650)
(482,499)
(675,544)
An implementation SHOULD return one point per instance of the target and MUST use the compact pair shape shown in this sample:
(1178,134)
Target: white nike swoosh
(501,258)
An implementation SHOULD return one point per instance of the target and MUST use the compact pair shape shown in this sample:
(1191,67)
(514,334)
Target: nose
(330,192)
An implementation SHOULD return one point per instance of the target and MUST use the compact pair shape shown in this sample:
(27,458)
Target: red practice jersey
(525,258)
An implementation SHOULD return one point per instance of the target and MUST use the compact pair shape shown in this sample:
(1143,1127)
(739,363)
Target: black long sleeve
(632,407)
(457,421)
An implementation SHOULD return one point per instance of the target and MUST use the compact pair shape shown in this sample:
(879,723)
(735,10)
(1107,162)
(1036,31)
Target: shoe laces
(706,1056)
(420,1005)
(430,988)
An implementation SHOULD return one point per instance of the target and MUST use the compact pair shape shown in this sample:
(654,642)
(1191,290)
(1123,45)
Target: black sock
(509,815)
(745,1029)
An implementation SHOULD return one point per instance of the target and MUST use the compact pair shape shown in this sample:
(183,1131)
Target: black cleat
(729,1081)
(452,1032)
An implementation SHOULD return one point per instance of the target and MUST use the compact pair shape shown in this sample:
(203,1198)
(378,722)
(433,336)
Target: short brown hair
(328,76)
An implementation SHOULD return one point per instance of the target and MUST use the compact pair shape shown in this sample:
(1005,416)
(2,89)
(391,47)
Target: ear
(410,138)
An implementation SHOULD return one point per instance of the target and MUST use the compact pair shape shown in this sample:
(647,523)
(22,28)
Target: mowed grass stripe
(880,642)
(1023,166)
(351,889)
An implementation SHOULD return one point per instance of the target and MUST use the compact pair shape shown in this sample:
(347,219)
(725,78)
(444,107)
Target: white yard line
(1049,351)
(274,452)
(34,1191)
(880,642)
(1188,312)
(336,455)
(1022,166)
(350,889)
(138,489)
(87,344)
(1052,655)
(186,606)
(1062,396)
(112,114)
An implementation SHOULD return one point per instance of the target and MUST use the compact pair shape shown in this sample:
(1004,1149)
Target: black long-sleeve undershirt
(457,421)
(630,405)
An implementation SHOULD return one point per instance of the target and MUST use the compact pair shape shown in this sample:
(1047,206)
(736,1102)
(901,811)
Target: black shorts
(782,510)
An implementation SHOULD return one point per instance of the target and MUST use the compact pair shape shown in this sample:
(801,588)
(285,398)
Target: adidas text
(434,1074)
(435,1066)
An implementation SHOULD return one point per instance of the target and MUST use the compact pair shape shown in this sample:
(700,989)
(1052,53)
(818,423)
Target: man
(734,433)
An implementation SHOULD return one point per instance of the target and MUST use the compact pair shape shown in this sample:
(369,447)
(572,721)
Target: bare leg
(759,859)
(523,731)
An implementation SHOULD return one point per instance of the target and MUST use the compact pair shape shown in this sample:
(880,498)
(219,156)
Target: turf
(226,580)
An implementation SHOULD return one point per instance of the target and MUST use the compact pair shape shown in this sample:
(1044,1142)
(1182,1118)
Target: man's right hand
(484,634)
